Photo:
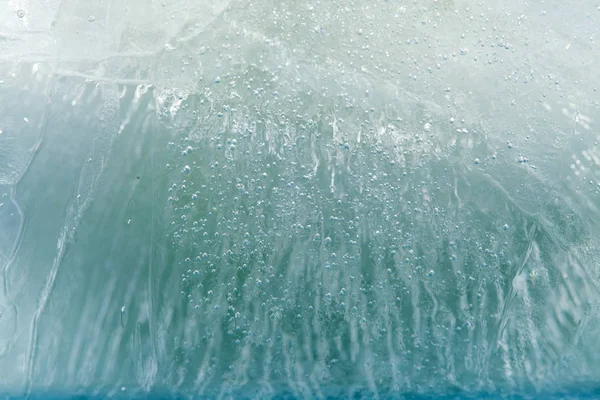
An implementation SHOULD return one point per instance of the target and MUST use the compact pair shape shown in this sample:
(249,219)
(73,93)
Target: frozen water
(369,197)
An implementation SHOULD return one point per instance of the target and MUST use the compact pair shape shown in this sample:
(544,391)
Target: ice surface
(368,197)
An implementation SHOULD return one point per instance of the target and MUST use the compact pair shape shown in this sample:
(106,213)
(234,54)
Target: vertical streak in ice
(510,296)
(4,287)
(50,279)
(33,330)
(150,303)
(74,212)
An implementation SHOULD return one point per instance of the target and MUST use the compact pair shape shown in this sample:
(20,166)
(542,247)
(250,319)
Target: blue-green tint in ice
(306,199)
